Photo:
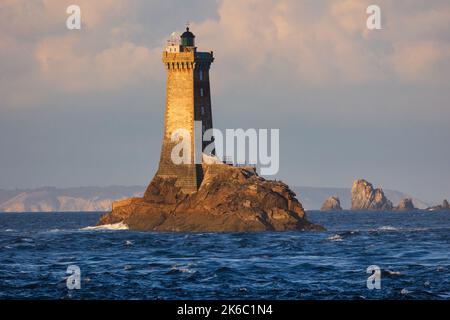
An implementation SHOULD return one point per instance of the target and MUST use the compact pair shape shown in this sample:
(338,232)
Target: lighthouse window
(200,74)
(201,92)
(202,110)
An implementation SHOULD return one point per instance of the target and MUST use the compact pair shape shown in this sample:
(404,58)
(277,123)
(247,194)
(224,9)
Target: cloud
(40,56)
(421,61)
(306,42)
(328,42)
(63,65)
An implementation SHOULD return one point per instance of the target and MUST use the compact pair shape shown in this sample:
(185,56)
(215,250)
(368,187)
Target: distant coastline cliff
(51,199)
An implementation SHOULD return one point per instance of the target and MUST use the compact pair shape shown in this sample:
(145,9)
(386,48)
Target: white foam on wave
(405,291)
(336,237)
(387,228)
(114,226)
(183,270)
(393,273)
(407,229)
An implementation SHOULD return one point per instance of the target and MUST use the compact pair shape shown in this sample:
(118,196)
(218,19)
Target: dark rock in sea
(444,206)
(332,204)
(365,197)
(406,204)
(230,199)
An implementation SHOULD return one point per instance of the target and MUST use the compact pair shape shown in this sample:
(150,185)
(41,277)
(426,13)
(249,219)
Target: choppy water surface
(411,248)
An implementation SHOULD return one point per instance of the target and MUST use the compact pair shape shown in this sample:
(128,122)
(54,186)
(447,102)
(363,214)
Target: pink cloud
(307,42)
(327,43)
(64,64)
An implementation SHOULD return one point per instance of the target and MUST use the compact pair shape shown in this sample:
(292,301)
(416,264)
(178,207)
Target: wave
(391,273)
(114,226)
(345,234)
(387,228)
(407,229)
(405,291)
(336,237)
(340,236)
(181,269)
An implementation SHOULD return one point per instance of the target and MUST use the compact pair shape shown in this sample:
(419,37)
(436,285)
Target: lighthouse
(188,100)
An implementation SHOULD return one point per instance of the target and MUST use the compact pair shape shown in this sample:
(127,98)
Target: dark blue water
(412,250)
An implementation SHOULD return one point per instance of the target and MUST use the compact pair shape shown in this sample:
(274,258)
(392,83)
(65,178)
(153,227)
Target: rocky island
(331,204)
(444,206)
(230,199)
(366,197)
(405,205)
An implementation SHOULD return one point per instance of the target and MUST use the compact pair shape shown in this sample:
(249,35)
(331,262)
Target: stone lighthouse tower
(188,100)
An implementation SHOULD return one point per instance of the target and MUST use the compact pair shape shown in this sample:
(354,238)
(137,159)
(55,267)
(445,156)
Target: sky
(85,107)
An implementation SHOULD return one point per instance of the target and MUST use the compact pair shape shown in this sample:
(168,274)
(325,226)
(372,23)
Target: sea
(362,255)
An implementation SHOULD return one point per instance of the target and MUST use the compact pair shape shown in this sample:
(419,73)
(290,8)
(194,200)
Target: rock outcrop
(444,206)
(230,199)
(365,197)
(405,204)
(332,204)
